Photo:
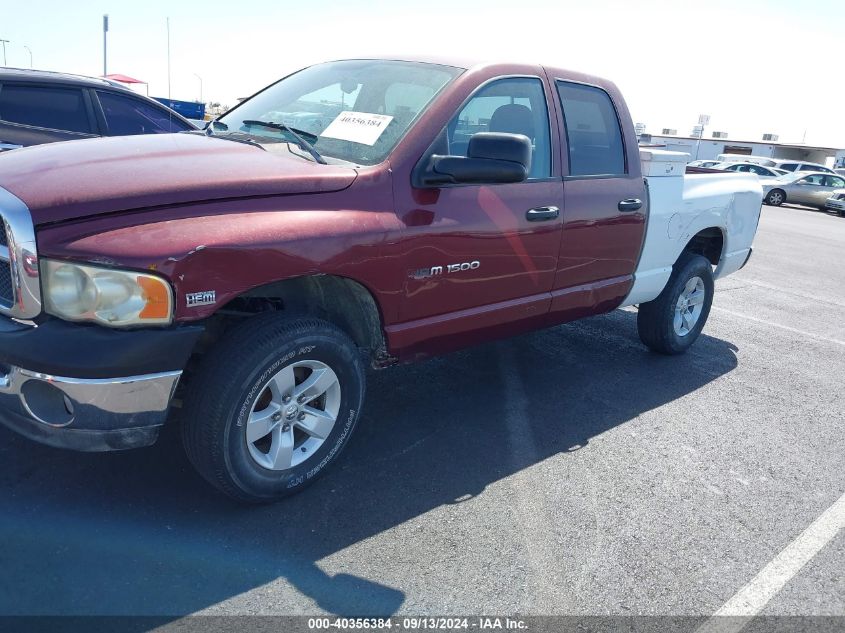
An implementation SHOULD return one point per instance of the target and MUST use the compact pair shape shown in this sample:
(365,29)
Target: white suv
(800,165)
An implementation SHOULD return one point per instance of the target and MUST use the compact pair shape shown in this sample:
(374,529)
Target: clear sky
(755,66)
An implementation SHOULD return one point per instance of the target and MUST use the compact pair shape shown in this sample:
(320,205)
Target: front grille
(7,294)
(20,290)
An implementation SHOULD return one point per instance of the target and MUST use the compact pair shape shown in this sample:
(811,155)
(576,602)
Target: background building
(710,148)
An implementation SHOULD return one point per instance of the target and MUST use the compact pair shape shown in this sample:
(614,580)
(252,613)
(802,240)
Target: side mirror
(492,158)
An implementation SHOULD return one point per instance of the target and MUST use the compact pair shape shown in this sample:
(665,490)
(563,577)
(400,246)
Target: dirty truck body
(249,279)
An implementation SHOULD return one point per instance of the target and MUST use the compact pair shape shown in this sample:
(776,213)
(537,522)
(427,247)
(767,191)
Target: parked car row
(42,107)
(785,164)
(798,182)
(751,168)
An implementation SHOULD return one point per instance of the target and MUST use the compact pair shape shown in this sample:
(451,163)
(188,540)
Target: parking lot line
(818,337)
(803,295)
(751,599)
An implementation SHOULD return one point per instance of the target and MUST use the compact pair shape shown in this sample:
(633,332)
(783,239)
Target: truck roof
(469,63)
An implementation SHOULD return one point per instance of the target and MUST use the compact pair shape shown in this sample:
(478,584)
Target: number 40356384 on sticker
(358,127)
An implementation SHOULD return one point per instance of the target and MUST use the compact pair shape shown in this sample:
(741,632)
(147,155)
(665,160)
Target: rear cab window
(593,131)
(48,107)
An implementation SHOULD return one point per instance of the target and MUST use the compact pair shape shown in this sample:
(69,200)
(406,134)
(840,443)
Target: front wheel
(272,406)
(775,198)
(672,322)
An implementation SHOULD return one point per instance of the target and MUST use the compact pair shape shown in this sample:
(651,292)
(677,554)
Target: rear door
(604,202)
(31,113)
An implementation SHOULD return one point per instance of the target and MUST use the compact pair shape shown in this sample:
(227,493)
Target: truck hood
(76,179)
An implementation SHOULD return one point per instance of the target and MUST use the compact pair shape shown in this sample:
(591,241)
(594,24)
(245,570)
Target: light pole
(28,50)
(4,42)
(200,78)
(168,63)
(105,32)
(703,120)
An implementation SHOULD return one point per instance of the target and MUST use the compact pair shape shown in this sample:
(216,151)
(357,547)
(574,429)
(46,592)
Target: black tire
(776,197)
(655,319)
(231,378)
(840,213)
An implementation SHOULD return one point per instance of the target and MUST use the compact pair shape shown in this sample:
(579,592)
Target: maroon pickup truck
(356,211)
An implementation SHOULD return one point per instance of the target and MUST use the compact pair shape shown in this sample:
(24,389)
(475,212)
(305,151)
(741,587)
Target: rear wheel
(672,322)
(272,406)
(775,198)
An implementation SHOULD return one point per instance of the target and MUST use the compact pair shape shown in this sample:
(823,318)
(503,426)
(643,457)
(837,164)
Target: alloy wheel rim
(293,415)
(689,306)
(776,198)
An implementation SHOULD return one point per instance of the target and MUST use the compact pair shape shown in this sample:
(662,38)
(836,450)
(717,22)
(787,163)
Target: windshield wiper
(294,133)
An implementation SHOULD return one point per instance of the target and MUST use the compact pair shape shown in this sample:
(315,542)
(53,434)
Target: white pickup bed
(680,206)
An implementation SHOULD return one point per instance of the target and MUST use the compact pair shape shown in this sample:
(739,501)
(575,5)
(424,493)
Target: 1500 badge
(435,271)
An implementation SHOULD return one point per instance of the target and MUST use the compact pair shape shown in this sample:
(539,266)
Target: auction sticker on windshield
(358,127)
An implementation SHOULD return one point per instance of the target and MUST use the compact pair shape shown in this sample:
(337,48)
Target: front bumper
(97,414)
(88,388)
(835,205)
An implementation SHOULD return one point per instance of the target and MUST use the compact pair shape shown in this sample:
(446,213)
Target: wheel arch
(708,242)
(340,300)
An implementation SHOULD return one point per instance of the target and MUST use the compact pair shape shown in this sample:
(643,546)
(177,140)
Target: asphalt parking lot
(567,471)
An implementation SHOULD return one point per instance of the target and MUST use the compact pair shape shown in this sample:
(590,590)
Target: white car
(751,168)
(707,164)
(836,202)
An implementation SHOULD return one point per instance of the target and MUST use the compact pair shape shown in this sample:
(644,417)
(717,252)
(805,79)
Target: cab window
(593,133)
(835,181)
(515,106)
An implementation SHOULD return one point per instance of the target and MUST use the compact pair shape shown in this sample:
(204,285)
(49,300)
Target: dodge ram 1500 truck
(375,210)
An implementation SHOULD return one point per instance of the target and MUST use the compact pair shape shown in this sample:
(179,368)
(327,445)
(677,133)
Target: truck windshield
(354,110)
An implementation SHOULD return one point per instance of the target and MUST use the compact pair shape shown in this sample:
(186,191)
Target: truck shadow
(140,533)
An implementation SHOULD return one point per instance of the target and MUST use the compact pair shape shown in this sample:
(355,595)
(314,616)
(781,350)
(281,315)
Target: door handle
(630,204)
(541,214)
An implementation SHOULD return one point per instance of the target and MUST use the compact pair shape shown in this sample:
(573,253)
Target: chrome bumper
(86,414)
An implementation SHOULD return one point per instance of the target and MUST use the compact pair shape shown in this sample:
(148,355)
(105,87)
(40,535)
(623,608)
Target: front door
(812,190)
(478,256)
(605,203)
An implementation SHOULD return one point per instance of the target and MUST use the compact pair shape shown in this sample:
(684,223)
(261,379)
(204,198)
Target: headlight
(116,298)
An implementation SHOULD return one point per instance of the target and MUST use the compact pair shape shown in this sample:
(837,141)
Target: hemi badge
(204,298)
